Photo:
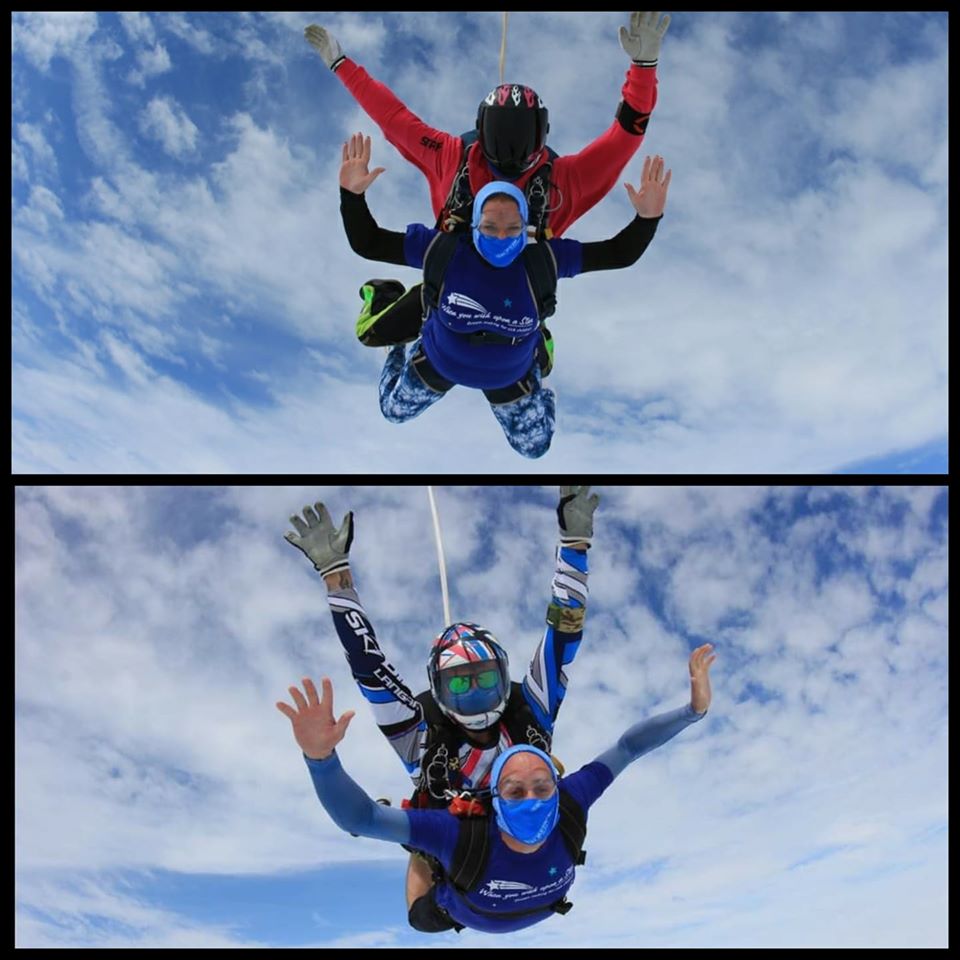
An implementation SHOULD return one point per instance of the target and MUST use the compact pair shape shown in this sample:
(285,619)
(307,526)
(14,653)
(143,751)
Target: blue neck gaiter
(496,251)
(529,821)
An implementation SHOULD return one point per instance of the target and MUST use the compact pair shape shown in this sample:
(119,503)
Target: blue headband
(498,186)
(519,748)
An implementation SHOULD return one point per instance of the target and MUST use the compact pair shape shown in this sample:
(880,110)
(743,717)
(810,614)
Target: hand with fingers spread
(314,728)
(326,44)
(355,175)
(641,41)
(316,536)
(700,662)
(652,197)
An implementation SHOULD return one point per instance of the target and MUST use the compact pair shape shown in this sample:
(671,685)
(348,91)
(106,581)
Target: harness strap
(542,274)
(573,826)
(480,337)
(472,851)
(537,193)
(436,259)
(428,372)
(560,906)
(440,758)
(513,391)
(539,262)
(458,209)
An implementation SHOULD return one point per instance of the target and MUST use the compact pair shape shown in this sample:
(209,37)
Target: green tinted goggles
(485,681)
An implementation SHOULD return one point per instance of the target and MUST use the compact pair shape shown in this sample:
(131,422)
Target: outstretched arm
(626,248)
(435,153)
(587,177)
(394,707)
(396,711)
(365,236)
(545,684)
(649,734)
(318,733)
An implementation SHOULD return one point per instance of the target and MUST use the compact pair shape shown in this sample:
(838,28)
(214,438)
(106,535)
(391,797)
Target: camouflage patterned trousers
(528,423)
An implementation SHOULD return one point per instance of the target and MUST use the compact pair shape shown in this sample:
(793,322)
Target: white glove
(575,514)
(321,541)
(642,40)
(325,44)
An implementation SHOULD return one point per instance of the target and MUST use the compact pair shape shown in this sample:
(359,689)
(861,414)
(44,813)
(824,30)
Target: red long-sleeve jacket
(578,181)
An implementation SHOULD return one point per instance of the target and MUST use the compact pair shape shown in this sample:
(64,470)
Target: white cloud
(181,616)
(42,36)
(41,152)
(151,63)
(138,26)
(165,121)
(789,316)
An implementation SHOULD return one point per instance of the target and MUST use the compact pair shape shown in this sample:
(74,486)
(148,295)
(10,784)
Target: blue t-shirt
(479,296)
(512,881)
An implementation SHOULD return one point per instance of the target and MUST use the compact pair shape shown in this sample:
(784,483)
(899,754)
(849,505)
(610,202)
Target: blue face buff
(528,820)
(497,251)
(501,252)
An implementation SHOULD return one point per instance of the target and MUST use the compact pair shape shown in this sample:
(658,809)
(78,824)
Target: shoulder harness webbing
(457,212)
(538,260)
(441,755)
(473,850)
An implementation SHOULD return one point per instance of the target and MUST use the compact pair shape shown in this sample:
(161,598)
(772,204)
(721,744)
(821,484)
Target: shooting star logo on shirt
(459,300)
(513,885)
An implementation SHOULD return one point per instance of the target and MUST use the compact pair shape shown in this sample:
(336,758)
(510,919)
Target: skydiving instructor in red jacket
(508,143)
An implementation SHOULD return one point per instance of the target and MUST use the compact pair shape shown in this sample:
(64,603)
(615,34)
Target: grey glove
(642,40)
(575,514)
(327,547)
(325,44)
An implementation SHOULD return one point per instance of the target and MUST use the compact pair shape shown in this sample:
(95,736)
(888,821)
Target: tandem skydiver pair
(492,259)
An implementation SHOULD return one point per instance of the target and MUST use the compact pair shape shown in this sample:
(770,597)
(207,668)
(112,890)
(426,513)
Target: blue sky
(184,296)
(161,800)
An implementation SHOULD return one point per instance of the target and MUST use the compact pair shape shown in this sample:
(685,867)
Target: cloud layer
(183,291)
(156,627)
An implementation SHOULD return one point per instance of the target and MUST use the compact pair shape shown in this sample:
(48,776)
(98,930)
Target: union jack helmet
(469,675)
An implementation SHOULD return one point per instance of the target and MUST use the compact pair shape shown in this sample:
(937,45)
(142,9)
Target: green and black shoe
(378,297)
(545,351)
(389,315)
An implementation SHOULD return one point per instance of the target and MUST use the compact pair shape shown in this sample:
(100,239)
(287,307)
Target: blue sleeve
(349,806)
(545,684)
(588,784)
(569,254)
(415,243)
(435,832)
(645,736)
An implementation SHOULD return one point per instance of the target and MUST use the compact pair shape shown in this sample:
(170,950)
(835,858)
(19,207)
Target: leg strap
(513,391)
(428,373)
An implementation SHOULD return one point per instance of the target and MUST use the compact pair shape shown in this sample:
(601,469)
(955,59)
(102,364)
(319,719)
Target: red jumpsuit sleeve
(435,153)
(585,178)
